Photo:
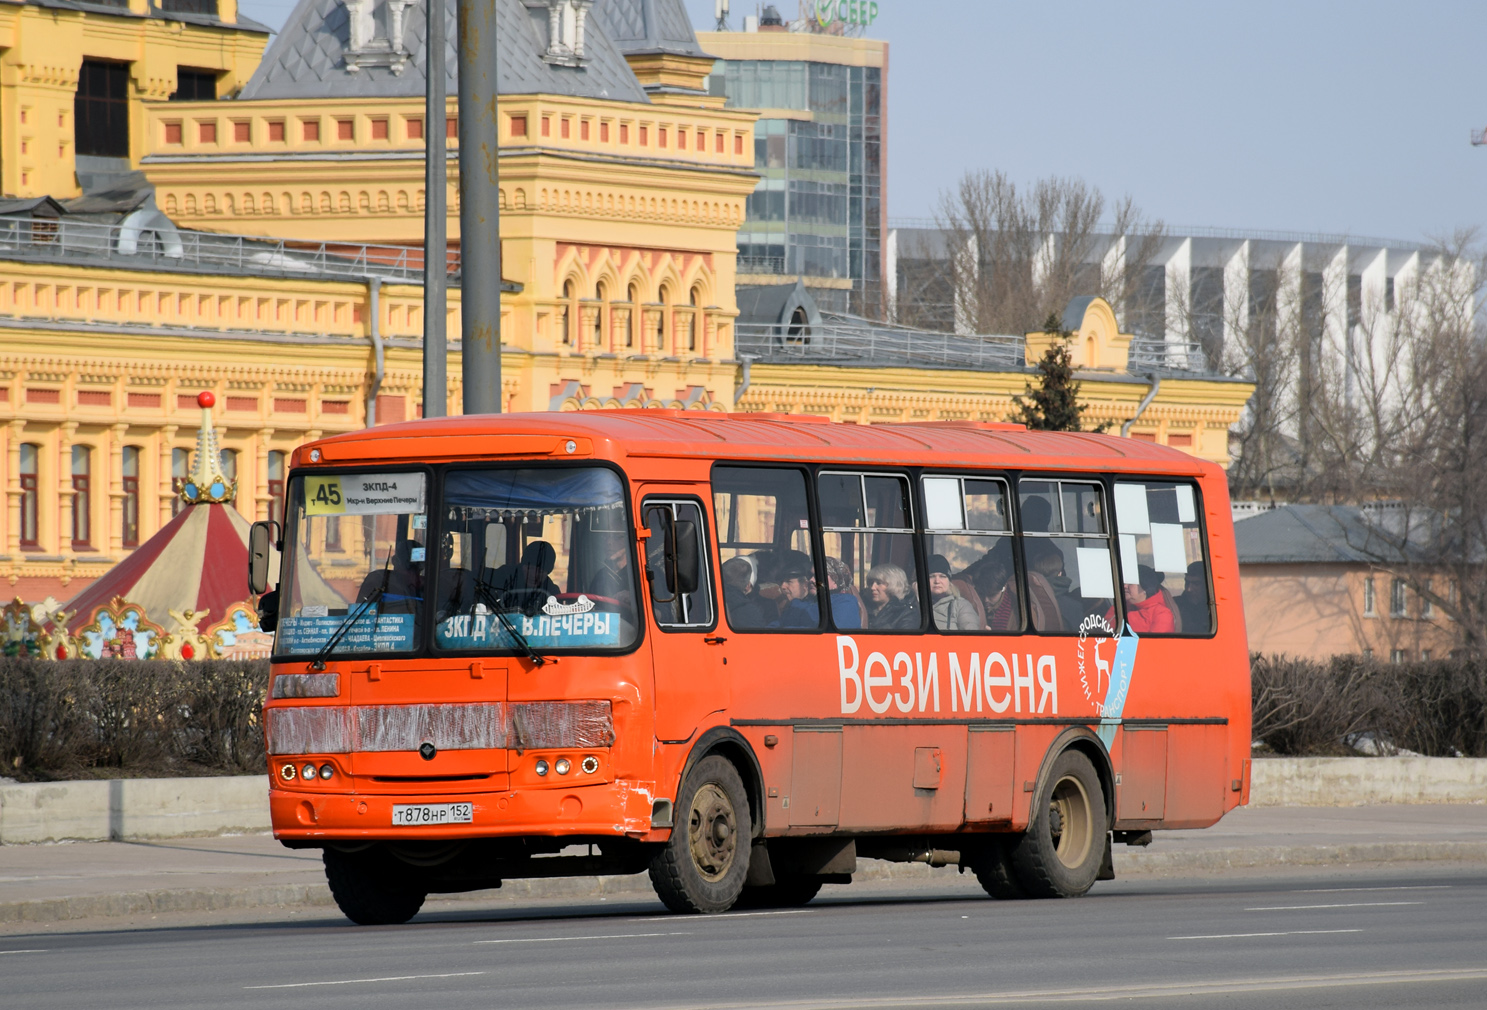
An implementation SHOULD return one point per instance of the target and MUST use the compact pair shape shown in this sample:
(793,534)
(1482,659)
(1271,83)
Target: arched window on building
(180,468)
(694,320)
(630,315)
(565,314)
(129,468)
(228,460)
(276,485)
(665,297)
(601,293)
(82,499)
(30,456)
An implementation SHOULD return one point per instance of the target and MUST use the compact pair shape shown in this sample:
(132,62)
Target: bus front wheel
(703,866)
(1060,855)
(368,892)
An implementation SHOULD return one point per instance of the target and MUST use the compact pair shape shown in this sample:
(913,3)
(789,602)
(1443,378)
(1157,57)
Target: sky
(1345,117)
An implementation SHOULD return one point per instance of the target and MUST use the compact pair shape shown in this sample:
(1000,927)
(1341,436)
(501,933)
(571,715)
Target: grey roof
(1334,534)
(307,59)
(647,26)
(774,304)
(36,206)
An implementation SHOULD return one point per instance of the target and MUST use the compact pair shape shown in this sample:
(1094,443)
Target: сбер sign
(852,12)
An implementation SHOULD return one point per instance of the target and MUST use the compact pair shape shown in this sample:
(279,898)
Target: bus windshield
(535,559)
(355,567)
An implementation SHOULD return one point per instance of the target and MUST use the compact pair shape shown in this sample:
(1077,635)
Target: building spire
(207,483)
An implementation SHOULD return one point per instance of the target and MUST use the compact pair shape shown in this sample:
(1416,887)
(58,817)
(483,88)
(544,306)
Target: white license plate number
(411,814)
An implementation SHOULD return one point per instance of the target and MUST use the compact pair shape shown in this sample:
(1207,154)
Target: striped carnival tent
(184,592)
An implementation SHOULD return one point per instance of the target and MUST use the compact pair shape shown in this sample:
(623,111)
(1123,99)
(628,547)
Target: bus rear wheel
(787,892)
(703,866)
(1060,855)
(995,873)
(368,891)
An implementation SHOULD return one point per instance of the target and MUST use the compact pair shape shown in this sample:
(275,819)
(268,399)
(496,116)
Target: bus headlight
(309,772)
(326,771)
(564,766)
(590,765)
(287,773)
(541,767)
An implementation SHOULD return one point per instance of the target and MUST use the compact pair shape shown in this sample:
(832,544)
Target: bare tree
(1002,259)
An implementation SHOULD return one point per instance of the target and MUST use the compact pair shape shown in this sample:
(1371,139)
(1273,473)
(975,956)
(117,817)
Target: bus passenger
(525,585)
(1192,602)
(998,589)
(1146,611)
(744,607)
(950,612)
(888,606)
(400,583)
(1045,559)
(797,593)
(846,605)
(611,579)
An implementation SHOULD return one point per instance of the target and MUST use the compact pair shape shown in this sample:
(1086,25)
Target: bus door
(686,655)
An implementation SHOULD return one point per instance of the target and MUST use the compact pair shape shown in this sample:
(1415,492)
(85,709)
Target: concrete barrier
(1357,782)
(120,809)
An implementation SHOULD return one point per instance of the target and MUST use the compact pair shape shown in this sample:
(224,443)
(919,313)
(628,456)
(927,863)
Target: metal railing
(61,240)
(761,265)
(1158,354)
(852,340)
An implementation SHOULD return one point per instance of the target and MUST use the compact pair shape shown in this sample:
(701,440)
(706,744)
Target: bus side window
(673,605)
(867,536)
(1163,561)
(764,546)
(968,533)
(1066,546)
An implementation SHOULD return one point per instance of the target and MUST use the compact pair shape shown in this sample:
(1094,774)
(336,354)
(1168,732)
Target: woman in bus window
(951,613)
(798,593)
(888,606)
(998,589)
(846,606)
(1146,611)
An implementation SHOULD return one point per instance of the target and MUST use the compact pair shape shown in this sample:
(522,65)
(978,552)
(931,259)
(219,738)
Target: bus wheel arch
(1082,739)
(1064,849)
(731,745)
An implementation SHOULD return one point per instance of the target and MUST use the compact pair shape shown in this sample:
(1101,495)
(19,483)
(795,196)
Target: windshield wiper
(516,636)
(318,663)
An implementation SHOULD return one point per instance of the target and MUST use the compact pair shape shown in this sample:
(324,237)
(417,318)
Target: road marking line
(1392,887)
(1344,904)
(725,915)
(41,950)
(1238,936)
(358,981)
(1150,990)
(562,939)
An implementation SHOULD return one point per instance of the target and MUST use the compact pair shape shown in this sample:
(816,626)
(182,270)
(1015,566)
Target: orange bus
(743,651)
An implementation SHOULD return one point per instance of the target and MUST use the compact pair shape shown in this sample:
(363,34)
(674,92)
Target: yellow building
(283,272)
(75,79)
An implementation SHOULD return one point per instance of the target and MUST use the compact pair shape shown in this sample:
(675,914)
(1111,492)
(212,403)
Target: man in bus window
(1192,602)
(1146,611)
(798,593)
(889,607)
(998,589)
(400,583)
(951,613)
(525,585)
(611,579)
(744,607)
(1045,564)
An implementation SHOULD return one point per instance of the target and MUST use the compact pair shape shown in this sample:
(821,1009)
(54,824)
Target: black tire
(1060,855)
(790,892)
(368,891)
(703,866)
(995,873)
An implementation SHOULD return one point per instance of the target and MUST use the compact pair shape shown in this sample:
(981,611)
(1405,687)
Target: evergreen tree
(1054,405)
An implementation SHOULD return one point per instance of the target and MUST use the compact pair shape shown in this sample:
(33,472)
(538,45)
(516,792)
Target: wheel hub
(711,832)
(1070,821)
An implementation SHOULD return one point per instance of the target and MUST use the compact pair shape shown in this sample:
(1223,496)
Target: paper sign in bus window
(1129,559)
(1187,509)
(1094,573)
(1167,553)
(365,494)
(1130,508)
(942,504)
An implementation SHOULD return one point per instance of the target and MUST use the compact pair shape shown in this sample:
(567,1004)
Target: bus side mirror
(263,539)
(687,564)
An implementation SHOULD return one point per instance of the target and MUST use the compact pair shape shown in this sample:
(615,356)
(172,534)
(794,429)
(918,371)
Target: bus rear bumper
(620,808)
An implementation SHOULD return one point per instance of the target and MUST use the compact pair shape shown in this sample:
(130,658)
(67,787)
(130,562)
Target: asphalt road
(1381,936)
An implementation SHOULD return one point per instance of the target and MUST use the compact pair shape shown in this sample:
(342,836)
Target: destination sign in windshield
(364,494)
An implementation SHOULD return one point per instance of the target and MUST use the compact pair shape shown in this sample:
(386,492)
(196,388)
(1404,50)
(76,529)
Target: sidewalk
(52,883)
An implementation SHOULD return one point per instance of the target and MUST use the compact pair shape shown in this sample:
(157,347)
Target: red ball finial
(206,398)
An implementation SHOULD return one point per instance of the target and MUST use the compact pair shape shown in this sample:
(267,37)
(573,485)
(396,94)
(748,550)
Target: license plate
(432,813)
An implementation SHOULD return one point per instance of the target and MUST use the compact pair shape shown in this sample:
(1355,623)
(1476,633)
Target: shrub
(82,718)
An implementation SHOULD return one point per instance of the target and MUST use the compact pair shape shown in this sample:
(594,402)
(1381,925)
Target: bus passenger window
(1164,569)
(1066,544)
(867,534)
(968,532)
(676,609)
(764,544)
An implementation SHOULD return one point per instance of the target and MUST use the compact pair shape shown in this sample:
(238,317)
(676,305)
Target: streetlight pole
(480,224)
(435,220)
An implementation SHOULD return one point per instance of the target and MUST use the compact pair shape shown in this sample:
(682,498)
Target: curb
(206,899)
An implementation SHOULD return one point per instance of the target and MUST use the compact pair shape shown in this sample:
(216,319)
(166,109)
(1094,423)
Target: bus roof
(617,434)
